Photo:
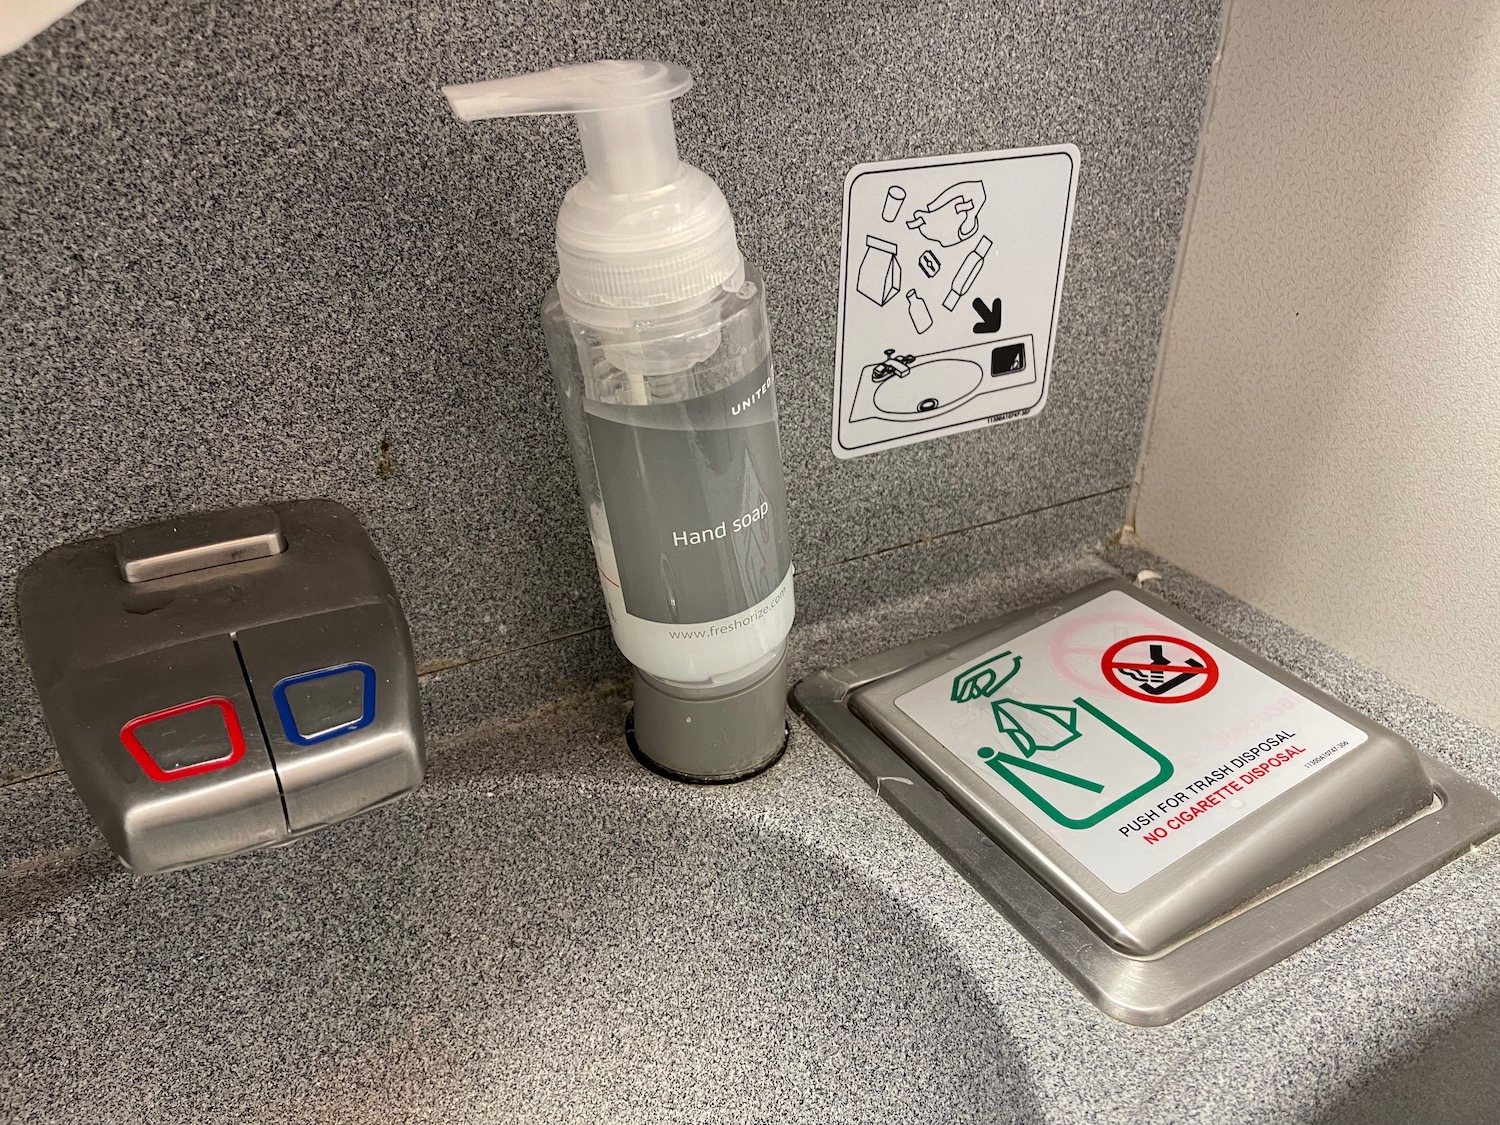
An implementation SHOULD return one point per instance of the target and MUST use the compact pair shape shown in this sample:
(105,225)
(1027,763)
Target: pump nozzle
(617,248)
(624,113)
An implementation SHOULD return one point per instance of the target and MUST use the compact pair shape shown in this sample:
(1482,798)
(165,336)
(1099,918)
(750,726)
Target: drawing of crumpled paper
(1035,726)
(953,216)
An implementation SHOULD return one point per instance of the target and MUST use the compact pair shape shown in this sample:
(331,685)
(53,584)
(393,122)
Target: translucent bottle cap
(642,229)
(582,88)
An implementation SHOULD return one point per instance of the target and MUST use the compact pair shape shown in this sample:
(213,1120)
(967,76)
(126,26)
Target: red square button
(153,769)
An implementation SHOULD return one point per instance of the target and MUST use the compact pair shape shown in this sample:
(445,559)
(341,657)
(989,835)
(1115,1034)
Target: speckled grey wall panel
(455,699)
(248,254)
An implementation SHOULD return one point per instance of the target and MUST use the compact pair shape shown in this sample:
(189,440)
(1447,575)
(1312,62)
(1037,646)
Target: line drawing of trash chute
(908,388)
(879,277)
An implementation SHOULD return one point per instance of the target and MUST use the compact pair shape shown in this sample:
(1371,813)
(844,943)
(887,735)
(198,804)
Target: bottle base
(710,734)
(691,779)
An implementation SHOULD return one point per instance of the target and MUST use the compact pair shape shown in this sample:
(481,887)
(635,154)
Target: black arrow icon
(989,319)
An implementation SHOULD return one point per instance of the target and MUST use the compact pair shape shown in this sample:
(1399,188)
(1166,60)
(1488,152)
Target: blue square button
(325,703)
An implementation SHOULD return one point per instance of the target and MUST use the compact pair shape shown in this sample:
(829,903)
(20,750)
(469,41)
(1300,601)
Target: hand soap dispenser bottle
(657,336)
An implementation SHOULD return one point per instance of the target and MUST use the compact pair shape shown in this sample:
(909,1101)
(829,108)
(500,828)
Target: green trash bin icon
(1107,766)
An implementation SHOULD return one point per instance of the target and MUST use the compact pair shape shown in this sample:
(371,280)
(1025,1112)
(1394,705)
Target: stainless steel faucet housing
(224,680)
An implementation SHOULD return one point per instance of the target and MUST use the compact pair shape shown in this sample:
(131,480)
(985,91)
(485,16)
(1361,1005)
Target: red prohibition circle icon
(1159,668)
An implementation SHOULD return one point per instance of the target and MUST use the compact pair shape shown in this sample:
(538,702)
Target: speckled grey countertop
(547,932)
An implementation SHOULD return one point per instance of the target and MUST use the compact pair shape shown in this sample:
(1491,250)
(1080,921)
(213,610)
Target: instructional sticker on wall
(1124,737)
(949,293)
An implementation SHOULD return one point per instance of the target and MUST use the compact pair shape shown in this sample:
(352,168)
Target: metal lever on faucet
(197,541)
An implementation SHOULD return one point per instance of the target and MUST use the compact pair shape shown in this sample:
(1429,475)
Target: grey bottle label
(696,501)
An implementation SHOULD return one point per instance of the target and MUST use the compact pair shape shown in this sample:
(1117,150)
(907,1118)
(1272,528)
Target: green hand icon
(985,678)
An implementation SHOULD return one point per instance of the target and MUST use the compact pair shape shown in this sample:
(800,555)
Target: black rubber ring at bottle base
(688,779)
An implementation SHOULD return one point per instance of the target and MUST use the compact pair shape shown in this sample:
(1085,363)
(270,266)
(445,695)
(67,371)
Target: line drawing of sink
(914,388)
(929,388)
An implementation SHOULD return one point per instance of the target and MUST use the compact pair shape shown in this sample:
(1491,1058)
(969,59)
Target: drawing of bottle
(916,308)
(968,270)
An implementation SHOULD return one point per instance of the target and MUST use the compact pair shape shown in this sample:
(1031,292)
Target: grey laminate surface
(549,932)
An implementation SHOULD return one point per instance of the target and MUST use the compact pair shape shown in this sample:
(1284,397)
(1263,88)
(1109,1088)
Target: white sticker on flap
(1126,738)
(950,288)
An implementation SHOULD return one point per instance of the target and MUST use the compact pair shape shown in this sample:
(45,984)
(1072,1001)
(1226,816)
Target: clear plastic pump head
(642,230)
